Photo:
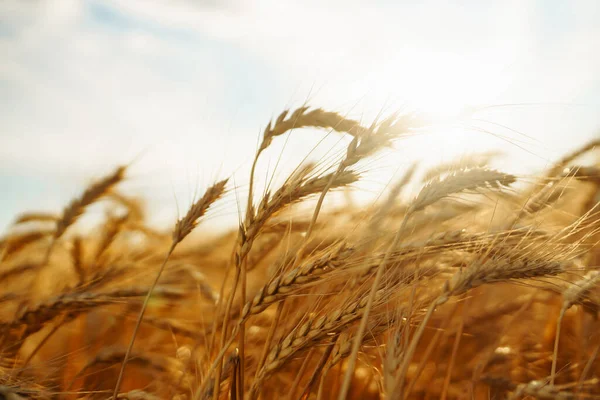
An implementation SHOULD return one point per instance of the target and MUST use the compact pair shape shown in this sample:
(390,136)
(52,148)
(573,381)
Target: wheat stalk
(183,227)
(303,118)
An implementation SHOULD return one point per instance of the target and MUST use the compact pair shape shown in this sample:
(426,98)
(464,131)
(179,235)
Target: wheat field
(482,285)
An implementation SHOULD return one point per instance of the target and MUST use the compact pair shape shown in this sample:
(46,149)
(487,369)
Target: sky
(182,89)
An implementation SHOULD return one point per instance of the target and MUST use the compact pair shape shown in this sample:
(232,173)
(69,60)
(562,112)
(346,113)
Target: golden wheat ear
(77,206)
(460,181)
(99,189)
(184,226)
(303,118)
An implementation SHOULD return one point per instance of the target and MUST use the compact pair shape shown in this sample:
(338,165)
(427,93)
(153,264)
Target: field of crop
(482,285)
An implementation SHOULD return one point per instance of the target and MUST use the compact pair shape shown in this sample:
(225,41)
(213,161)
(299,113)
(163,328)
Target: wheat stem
(563,310)
(138,323)
(408,355)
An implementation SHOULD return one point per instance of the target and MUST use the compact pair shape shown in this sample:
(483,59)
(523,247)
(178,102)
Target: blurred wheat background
(312,200)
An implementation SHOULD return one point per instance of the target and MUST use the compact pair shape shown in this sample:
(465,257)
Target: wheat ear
(77,206)
(463,180)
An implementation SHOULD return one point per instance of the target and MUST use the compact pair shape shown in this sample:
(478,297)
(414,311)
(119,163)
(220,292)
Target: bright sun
(445,86)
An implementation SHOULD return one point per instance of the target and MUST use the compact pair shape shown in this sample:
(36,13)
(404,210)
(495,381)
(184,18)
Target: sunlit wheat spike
(460,181)
(317,118)
(186,224)
(93,193)
(479,160)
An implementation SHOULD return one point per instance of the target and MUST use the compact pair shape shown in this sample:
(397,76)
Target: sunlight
(446,85)
(447,88)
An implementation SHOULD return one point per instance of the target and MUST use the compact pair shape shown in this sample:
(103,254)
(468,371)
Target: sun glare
(446,88)
(450,84)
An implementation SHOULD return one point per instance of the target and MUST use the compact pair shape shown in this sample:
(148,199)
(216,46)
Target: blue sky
(185,87)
